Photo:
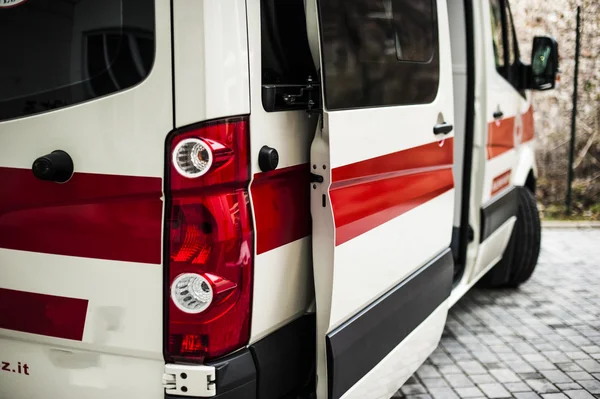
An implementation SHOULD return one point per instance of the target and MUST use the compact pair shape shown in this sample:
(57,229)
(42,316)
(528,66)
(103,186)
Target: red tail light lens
(208,241)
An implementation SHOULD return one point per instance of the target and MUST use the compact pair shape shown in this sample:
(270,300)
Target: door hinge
(309,95)
(199,381)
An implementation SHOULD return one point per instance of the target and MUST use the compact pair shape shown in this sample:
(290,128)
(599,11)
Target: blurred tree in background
(553,108)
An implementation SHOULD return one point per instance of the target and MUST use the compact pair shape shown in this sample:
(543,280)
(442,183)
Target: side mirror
(544,63)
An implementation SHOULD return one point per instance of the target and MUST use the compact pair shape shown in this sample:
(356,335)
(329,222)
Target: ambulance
(258,199)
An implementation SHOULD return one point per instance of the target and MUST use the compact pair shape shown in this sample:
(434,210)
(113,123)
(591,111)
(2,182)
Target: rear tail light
(208,241)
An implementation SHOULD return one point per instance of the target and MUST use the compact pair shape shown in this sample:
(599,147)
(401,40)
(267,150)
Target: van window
(510,35)
(286,57)
(504,38)
(379,52)
(514,61)
(497,35)
(57,53)
(413,29)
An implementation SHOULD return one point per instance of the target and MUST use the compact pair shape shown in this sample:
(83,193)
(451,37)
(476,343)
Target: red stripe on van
(281,200)
(501,182)
(501,133)
(53,316)
(528,126)
(92,216)
(500,137)
(369,193)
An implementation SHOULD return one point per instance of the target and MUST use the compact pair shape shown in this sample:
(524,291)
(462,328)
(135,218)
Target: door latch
(315,178)
(198,381)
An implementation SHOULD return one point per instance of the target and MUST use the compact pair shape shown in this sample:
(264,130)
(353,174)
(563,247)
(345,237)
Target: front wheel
(523,249)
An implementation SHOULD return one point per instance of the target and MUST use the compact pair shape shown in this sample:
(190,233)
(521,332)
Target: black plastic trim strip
(355,347)
(236,375)
(496,212)
(463,233)
(285,360)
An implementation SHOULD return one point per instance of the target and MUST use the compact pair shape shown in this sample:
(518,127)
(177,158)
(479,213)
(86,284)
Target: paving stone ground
(539,341)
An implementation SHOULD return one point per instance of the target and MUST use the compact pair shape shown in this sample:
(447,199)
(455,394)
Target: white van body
(331,242)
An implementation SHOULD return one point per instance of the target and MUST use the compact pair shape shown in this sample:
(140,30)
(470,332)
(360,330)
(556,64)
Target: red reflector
(53,316)
(192,344)
(209,237)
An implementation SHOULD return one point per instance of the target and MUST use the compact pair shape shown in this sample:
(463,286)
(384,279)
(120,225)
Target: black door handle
(498,114)
(56,166)
(442,128)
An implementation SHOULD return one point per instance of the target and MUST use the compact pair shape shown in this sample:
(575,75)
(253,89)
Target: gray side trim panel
(355,347)
(496,212)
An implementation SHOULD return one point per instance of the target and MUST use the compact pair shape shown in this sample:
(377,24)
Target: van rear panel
(83,281)
(81,261)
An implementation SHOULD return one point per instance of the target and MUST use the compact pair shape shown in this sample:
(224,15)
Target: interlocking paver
(428,371)
(472,367)
(472,392)
(591,349)
(579,394)
(578,355)
(459,380)
(592,386)
(448,369)
(556,376)
(495,390)
(482,379)
(505,375)
(521,367)
(540,341)
(434,383)
(554,396)
(443,393)
(413,389)
(591,366)
(527,395)
(543,365)
(569,367)
(530,376)
(568,386)
(556,356)
(542,386)
(580,375)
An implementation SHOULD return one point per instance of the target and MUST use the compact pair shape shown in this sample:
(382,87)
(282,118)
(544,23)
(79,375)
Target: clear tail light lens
(191,293)
(208,241)
(192,158)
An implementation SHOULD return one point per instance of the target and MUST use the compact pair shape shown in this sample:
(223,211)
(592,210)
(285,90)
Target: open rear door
(81,275)
(382,215)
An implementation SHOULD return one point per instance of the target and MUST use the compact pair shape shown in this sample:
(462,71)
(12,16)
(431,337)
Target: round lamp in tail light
(192,157)
(191,293)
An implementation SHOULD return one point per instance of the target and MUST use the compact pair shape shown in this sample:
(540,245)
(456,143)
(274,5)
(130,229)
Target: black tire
(523,249)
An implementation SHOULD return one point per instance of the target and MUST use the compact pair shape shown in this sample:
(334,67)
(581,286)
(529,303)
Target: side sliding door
(382,193)
(509,133)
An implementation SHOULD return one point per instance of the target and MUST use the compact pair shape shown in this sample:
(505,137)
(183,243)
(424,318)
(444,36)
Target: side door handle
(442,128)
(498,114)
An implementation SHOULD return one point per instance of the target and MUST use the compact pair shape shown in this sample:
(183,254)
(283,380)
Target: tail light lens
(208,241)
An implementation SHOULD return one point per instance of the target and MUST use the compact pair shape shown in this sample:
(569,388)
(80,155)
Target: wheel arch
(531,182)
(525,173)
